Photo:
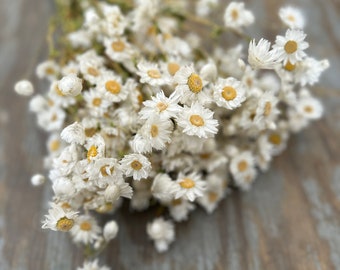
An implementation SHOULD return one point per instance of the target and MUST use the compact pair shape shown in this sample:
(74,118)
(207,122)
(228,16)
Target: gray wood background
(289,220)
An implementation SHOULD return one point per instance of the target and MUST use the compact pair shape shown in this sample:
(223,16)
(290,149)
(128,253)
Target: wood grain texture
(289,220)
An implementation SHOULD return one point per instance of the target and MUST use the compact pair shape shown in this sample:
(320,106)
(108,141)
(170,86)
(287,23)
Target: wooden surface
(289,220)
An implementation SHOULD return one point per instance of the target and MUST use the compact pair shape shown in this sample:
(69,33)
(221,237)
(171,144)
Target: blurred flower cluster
(150,102)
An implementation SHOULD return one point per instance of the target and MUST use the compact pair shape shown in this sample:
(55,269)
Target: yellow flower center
(54,145)
(196,120)
(136,165)
(113,87)
(212,196)
(234,14)
(173,68)
(50,71)
(195,83)
(96,102)
(267,108)
(291,18)
(89,132)
(66,205)
(162,106)
(229,93)
(103,170)
(154,131)
(187,183)
(65,224)
(118,46)
(242,165)
(289,66)
(176,202)
(308,109)
(154,73)
(93,71)
(291,46)
(92,152)
(275,138)
(85,226)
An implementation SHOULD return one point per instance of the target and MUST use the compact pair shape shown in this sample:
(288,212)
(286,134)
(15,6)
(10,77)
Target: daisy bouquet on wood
(140,108)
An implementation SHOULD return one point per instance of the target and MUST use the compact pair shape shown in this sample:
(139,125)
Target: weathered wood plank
(289,220)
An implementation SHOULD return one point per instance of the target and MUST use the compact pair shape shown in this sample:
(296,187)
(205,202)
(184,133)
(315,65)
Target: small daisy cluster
(141,111)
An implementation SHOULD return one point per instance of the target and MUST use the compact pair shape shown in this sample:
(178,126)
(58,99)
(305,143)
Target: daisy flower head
(198,121)
(310,108)
(260,56)
(190,85)
(229,93)
(164,107)
(161,185)
(88,265)
(48,70)
(151,74)
(111,88)
(117,189)
(290,48)
(292,17)
(136,165)
(267,111)
(309,70)
(96,104)
(95,147)
(70,85)
(241,163)
(162,232)
(118,49)
(236,16)
(85,230)
(188,186)
(180,209)
(157,132)
(74,133)
(24,88)
(59,219)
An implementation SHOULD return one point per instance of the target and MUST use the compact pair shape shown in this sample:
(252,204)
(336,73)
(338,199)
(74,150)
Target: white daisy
(136,165)
(59,219)
(266,111)
(292,17)
(95,147)
(190,86)
(95,102)
(24,88)
(115,190)
(151,74)
(229,93)
(242,164)
(70,85)
(111,88)
(161,185)
(198,121)
(310,108)
(180,209)
(236,16)
(58,98)
(309,70)
(85,230)
(291,47)
(38,180)
(156,132)
(260,56)
(118,49)
(165,107)
(74,133)
(162,232)
(188,186)
(110,230)
(48,69)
